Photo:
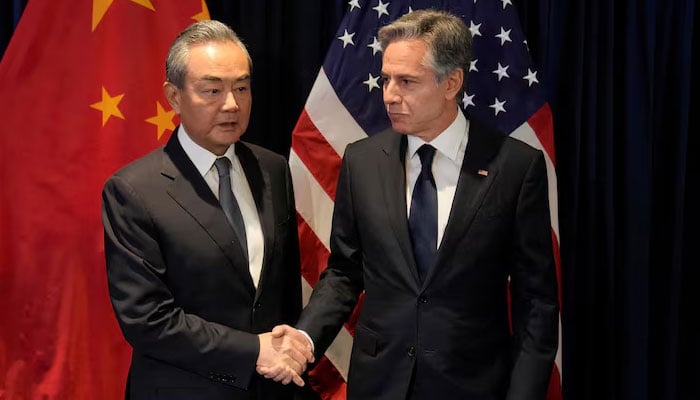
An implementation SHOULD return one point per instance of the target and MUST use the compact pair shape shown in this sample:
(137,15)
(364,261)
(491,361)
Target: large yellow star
(163,119)
(109,106)
(203,15)
(100,7)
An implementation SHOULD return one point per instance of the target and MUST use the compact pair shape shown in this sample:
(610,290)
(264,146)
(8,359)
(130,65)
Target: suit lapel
(476,177)
(261,188)
(392,172)
(192,193)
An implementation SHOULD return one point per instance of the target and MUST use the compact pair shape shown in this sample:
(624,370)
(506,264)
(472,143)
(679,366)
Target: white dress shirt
(203,160)
(450,146)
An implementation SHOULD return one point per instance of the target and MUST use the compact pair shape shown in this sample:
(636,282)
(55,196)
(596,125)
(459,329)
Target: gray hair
(446,36)
(198,33)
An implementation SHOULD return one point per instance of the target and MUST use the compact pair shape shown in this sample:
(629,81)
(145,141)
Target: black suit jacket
(447,337)
(179,281)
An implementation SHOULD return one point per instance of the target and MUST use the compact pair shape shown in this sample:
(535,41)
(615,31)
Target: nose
(390,93)
(230,103)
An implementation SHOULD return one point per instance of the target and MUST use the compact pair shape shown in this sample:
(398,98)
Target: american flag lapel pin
(482,172)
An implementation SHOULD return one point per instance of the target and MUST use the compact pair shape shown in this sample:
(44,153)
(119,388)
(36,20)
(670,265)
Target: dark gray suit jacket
(448,337)
(180,284)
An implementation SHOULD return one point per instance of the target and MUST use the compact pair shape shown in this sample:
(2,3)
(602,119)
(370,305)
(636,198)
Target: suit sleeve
(535,308)
(151,320)
(336,293)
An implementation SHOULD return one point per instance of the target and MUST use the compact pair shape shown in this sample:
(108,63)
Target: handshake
(284,355)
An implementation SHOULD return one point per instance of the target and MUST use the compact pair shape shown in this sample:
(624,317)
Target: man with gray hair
(434,220)
(201,241)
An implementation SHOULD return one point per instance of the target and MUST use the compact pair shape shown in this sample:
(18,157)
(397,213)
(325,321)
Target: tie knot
(222,164)
(426,153)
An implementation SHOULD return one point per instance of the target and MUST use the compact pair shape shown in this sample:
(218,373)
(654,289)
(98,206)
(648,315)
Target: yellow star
(204,14)
(100,7)
(109,106)
(163,120)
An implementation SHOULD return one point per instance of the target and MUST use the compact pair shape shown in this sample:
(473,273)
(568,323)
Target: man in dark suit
(201,241)
(434,221)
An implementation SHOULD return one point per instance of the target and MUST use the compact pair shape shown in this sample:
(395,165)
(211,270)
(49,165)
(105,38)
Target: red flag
(345,105)
(80,96)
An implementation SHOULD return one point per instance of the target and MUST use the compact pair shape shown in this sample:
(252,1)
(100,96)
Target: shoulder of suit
(496,139)
(141,166)
(260,152)
(378,141)
(518,146)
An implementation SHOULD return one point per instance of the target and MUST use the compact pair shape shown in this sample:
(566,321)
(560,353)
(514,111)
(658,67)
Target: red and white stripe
(324,129)
(538,132)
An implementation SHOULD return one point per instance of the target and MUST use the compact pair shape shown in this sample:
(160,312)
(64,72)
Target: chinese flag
(80,96)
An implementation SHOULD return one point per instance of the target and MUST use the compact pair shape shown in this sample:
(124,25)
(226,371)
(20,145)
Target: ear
(172,93)
(454,82)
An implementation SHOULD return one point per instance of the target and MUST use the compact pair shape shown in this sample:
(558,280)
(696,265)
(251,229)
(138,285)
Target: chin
(400,128)
(230,135)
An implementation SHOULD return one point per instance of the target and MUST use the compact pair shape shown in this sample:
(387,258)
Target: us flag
(345,105)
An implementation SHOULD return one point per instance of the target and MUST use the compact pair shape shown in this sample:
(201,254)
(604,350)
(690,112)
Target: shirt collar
(202,158)
(446,142)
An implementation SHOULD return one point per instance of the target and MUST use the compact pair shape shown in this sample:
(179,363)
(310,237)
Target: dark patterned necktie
(228,201)
(422,219)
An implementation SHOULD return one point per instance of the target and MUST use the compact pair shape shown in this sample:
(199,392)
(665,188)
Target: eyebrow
(214,78)
(401,76)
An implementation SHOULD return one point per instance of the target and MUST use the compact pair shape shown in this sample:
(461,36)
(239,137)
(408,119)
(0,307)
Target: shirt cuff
(313,348)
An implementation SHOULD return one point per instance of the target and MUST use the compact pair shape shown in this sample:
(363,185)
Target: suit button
(257,305)
(422,300)
(411,351)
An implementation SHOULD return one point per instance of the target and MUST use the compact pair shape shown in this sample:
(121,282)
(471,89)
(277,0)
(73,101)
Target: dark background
(622,79)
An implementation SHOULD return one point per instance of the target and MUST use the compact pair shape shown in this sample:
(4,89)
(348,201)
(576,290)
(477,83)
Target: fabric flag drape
(345,104)
(80,96)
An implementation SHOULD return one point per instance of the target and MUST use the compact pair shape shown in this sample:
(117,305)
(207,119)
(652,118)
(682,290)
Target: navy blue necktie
(422,219)
(228,201)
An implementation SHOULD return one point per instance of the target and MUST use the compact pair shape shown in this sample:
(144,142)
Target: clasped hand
(284,354)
